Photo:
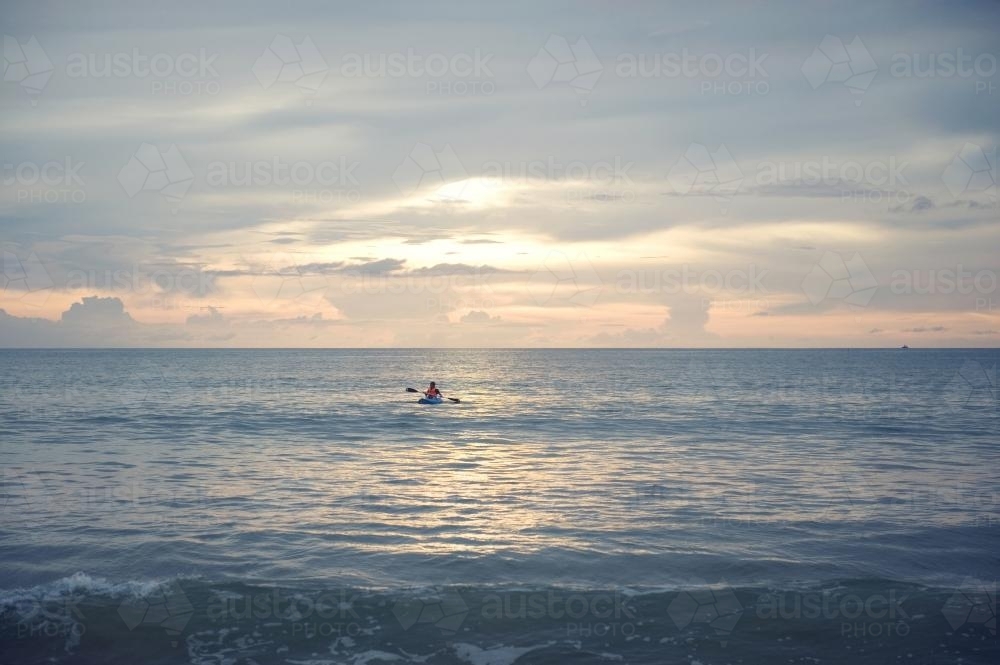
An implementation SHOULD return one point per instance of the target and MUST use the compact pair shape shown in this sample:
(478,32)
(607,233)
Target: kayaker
(432,391)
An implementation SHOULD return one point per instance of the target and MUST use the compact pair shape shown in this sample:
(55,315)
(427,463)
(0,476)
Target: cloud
(923,329)
(358,231)
(479,318)
(93,321)
(457,269)
(797,189)
(380,267)
(213,317)
(103,322)
(96,312)
(331,268)
(918,204)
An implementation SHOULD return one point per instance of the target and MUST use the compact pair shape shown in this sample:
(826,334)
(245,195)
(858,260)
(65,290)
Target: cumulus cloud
(211,317)
(93,321)
(94,311)
(479,317)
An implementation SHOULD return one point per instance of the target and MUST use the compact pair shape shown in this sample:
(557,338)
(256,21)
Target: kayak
(429,400)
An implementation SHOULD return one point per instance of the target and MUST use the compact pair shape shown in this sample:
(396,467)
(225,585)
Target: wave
(183,619)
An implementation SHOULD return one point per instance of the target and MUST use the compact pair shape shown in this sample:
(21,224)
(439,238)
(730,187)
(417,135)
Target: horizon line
(498,348)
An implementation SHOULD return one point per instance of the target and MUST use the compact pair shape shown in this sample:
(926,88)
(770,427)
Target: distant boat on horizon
(904,347)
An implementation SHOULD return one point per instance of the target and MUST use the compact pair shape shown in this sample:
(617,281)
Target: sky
(517,174)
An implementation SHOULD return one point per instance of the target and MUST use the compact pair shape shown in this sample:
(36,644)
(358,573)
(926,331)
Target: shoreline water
(194,621)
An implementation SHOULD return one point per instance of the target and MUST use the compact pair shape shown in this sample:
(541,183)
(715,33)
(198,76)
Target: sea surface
(745,506)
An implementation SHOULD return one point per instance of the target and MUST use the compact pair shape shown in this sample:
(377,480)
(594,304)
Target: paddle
(452,399)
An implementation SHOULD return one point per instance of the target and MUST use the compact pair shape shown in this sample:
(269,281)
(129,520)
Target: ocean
(586,506)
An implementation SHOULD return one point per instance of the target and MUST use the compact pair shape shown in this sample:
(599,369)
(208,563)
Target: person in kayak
(432,391)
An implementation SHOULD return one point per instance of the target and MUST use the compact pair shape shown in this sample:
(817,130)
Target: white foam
(414,658)
(80,583)
(373,654)
(502,655)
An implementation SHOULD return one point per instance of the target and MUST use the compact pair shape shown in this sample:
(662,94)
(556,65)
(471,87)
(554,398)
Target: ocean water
(751,506)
